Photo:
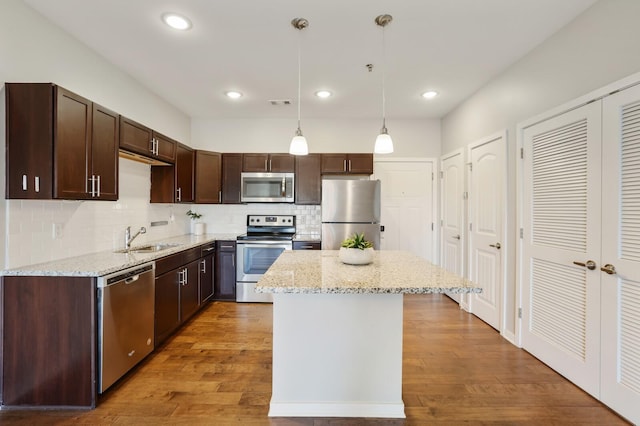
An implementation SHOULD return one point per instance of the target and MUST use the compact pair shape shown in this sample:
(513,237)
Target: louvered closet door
(452,214)
(621,248)
(561,215)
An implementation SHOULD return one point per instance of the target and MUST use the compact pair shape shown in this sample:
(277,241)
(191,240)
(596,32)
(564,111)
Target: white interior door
(486,211)
(452,214)
(561,218)
(620,376)
(407,202)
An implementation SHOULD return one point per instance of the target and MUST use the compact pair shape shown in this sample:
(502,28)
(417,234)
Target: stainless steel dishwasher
(126,301)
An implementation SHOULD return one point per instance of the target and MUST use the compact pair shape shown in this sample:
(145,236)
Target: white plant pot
(198,228)
(354,256)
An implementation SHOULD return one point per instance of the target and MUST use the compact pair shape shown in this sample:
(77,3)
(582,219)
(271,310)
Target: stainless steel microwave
(267,187)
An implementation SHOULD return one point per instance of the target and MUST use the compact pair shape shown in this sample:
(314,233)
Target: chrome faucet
(128,239)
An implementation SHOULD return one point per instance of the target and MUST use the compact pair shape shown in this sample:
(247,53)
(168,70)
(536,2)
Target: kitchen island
(337,330)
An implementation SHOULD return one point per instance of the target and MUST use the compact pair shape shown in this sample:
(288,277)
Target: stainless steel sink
(151,248)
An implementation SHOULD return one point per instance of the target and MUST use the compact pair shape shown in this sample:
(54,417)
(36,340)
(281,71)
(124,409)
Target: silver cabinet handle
(349,165)
(269,164)
(219,196)
(179,194)
(24,182)
(609,269)
(153,145)
(344,165)
(204,266)
(226,246)
(92,179)
(98,185)
(457,237)
(208,249)
(306,247)
(266,165)
(496,245)
(589,264)
(37,183)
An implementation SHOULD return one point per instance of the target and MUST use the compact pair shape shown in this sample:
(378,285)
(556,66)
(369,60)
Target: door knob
(609,269)
(457,237)
(589,264)
(496,245)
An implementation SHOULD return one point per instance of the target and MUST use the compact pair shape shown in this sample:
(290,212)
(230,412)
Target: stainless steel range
(266,238)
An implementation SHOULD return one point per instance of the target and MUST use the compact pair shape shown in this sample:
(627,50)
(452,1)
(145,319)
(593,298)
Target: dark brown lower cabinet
(207,264)
(225,271)
(49,341)
(167,315)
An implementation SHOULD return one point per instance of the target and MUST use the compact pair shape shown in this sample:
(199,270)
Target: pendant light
(384,144)
(299,143)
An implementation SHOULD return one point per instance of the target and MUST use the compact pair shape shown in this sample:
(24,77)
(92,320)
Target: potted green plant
(197,227)
(356,250)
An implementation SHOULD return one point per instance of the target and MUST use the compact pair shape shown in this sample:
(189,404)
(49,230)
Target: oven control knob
(257,220)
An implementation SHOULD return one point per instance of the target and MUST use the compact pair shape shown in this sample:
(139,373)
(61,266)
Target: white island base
(337,355)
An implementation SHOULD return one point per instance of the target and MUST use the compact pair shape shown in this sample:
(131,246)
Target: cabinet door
(184,174)
(29,145)
(225,271)
(308,179)
(104,152)
(135,137)
(206,277)
(72,145)
(360,163)
(189,290)
(163,184)
(282,163)
(334,163)
(255,162)
(208,177)
(231,172)
(167,315)
(166,149)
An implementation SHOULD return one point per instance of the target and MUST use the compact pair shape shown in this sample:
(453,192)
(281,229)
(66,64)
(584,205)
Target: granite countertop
(320,271)
(106,262)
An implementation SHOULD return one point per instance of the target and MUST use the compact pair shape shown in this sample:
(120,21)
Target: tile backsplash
(41,231)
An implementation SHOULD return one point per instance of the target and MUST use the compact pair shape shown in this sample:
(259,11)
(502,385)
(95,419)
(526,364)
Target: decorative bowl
(356,256)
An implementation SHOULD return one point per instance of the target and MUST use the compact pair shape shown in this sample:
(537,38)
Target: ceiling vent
(280,101)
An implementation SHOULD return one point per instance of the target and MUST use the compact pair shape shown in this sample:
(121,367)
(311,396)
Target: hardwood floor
(456,370)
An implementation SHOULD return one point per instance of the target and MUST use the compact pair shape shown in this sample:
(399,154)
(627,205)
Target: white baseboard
(329,409)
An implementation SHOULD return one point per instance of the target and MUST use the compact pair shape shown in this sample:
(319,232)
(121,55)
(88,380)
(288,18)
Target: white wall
(411,138)
(597,48)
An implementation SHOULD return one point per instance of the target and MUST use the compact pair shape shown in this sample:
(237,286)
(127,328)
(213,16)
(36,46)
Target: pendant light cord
(299,74)
(384,62)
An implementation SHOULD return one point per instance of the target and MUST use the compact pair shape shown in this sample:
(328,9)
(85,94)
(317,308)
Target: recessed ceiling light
(233,94)
(430,94)
(323,93)
(176,21)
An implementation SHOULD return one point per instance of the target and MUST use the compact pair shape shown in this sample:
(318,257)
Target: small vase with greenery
(356,250)
(197,227)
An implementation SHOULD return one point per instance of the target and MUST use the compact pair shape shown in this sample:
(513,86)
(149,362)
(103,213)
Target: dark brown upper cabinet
(139,139)
(174,184)
(208,177)
(276,163)
(59,145)
(308,179)
(231,178)
(347,164)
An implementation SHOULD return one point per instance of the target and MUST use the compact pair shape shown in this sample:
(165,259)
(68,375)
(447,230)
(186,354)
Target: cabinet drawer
(207,249)
(174,261)
(306,245)
(226,246)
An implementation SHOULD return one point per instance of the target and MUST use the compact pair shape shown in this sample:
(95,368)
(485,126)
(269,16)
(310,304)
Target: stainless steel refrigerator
(348,206)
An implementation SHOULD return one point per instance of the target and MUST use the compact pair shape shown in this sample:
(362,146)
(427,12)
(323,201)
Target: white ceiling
(451,46)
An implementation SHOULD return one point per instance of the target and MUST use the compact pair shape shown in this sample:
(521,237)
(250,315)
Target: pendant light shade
(298,144)
(384,144)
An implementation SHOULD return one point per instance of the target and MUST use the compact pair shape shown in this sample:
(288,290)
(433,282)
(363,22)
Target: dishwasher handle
(132,279)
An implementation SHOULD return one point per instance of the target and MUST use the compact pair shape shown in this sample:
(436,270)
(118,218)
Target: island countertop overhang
(392,272)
